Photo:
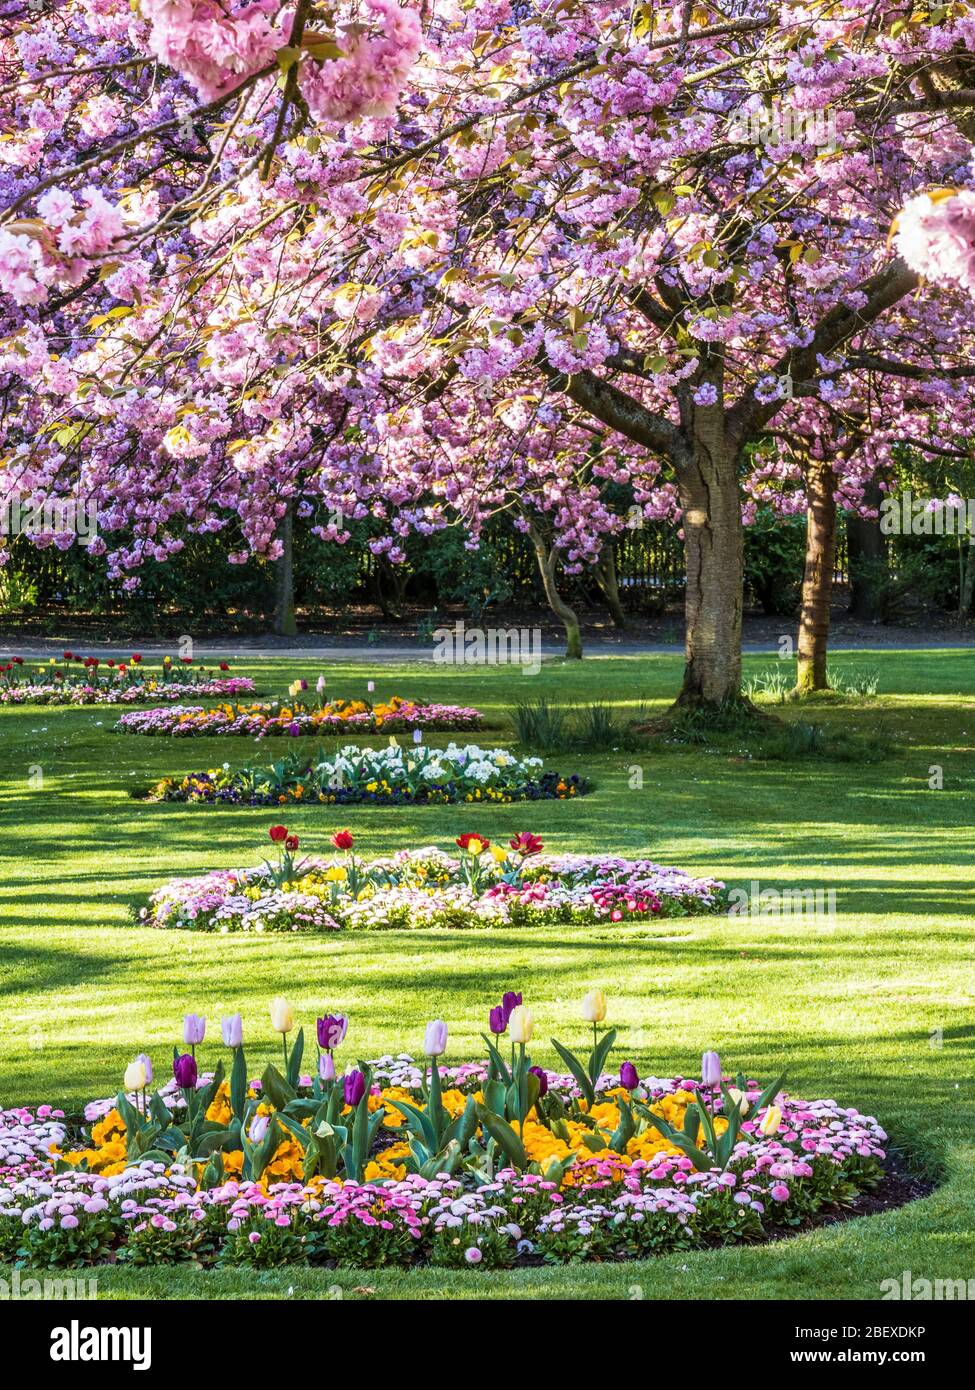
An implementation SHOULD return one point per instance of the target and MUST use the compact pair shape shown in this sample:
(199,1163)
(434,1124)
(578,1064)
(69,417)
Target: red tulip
(224,666)
(291,843)
(526,843)
(464,840)
(342,839)
(278,833)
(136,656)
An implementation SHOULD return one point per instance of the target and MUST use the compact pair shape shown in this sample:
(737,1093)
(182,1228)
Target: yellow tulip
(135,1076)
(739,1098)
(770,1121)
(282,1015)
(594,1006)
(521,1024)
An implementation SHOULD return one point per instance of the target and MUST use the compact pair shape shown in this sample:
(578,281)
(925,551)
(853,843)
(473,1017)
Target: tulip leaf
(213,1174)
(238,1084)
(206,1094)
(500,1065)
(464,1128)
(595,1143)
(692,1123)
(293,1127)
(770,1093)
(504,1136)
(275,1088)
(597,1058)
(494,1096)
(701,1160)
(577,1070)
(624,1131)
(224,1140)
(417,1122)
(294,1061)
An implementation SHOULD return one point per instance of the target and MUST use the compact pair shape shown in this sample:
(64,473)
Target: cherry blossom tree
(426,263)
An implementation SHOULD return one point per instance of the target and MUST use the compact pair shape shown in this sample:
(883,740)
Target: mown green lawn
(875,1009)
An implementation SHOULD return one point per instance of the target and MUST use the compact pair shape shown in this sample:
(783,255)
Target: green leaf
(597,1058)
(275,1088)
(294,1061)
(577,1070)
(238,1084)
(770,1092)
(295,1128)
(504,1136)
(499,1063)
(624,1131)
(417,1122)
(464,1128)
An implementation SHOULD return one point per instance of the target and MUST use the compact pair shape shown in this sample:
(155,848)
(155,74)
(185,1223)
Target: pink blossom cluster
(313,316)
(215,45)
(936,236)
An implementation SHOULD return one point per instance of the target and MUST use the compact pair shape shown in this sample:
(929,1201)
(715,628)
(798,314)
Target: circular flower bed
(339,716)
(486,885)
(389,776)
(486,1164)
(91,680)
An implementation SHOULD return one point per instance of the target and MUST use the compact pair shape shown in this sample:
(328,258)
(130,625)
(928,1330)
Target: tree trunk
(548,559)
(966,578)
(714,555)
(817,582)
(866,551)
(285,624)
(605,572)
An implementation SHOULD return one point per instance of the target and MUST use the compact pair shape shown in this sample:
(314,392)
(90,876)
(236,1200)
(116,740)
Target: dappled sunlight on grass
(875,1007)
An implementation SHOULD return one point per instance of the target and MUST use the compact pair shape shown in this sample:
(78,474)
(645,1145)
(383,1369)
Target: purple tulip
(326,1066)
(184,1070)
(497,1020)
(542,1079)
(509,1001)
(194,1029)
(629,1076)
(711,1069)
(259,1126)
(232,1029)
(332,1030)
(143,1057)
(354,1087)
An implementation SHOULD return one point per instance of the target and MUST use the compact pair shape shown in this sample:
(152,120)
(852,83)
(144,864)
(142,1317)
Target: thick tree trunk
(714,554)
(817,582)
(865,551)
(548,559)
(285,624)
(605,572)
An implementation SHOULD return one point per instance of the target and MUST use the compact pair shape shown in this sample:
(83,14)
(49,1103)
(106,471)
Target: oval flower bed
(389,776)
(486,885)
(491,1163)
(395,715)
(92,680)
